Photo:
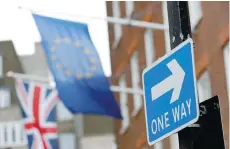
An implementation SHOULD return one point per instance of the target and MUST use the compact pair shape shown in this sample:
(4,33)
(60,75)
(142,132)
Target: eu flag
(76,67)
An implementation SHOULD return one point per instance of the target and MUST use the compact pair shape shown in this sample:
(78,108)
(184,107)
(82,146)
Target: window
(226,61)
(174,141)
(166,23)
(63,113)
(2,134)
(23,137)
(79,125)
(137,99)
(1,66)
(5,97)
(149,47)
(195,10)
(129,6)
(5,134)
(67,141)
(18,133)
(12,134)
(9,132)
(158,145)
(117,27)
(204,87)
(102,141)
(124,106)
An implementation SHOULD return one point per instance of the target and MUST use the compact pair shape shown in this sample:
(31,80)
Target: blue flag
(76,67)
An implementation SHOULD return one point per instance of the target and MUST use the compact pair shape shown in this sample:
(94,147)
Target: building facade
(135,48)
(74,131)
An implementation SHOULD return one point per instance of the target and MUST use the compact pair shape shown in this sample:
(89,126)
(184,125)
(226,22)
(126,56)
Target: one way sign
(170,93)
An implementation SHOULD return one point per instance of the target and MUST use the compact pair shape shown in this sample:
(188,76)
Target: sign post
(180,30)
(169,84)
(179,22)
(170,93)
(209,133)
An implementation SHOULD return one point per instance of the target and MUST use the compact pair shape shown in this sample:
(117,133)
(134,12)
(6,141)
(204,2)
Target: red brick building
(134,48)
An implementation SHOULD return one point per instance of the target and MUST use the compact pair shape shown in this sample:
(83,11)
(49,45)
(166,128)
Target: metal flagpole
(51,84)
(180,30)
(130,22)
(115,20)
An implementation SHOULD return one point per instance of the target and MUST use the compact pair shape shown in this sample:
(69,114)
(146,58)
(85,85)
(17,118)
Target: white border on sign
(195,87)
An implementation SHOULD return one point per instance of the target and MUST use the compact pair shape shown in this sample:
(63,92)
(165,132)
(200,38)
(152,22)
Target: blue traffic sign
(170,92)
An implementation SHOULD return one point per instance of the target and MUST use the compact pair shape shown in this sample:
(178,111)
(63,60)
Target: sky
(18,25)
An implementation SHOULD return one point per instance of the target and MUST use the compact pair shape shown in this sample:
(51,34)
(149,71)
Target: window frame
(129,7)
(202,85)
(117,27)
(196,13)
(63,113)
(135,71)
(124,106)
(226,53)
(5,88)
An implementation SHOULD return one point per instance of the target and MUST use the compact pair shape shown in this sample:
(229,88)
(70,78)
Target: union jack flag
(37,104)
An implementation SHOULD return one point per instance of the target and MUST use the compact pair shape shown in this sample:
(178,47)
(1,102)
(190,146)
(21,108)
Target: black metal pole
(179,22)
(180,30)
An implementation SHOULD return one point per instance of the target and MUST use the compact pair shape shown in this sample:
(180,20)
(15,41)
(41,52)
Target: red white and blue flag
(37,103)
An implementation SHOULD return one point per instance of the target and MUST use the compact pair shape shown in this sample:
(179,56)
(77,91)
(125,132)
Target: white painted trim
(166,23)
(1,66)
(149,46)
(135,71)
(204,87)
(124,107)
(117,27)
(196,14)
(227,66)
(129,6)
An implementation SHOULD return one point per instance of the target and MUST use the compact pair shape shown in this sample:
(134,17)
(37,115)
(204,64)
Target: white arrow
(173,81)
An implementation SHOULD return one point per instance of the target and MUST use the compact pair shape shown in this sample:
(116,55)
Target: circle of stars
(67,71)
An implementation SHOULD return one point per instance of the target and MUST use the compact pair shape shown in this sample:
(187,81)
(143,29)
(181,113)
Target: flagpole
(51,83)
(113,20)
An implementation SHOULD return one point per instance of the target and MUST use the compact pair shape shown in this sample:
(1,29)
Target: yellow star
(79,76)
(59,66)
(57,41)
(77,44)
(67,40)
(88,75)
(52,48)
(68,72)
(93,68)
(53,57)
(87,51)
(92,60)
